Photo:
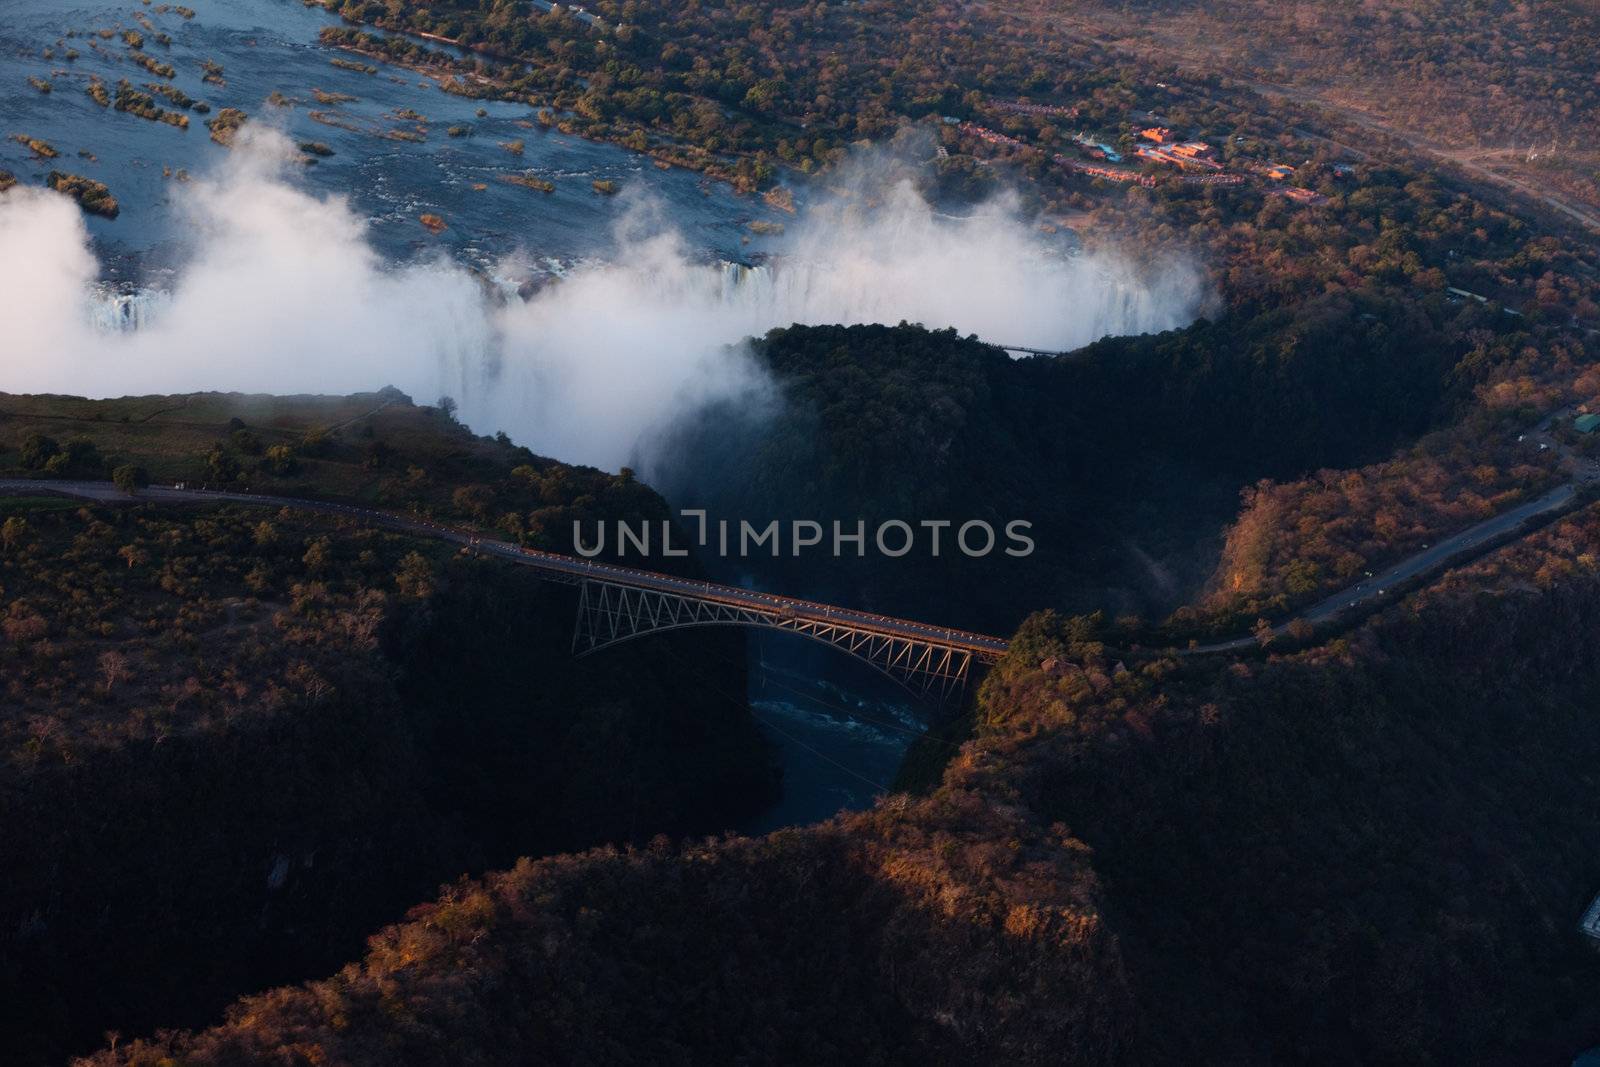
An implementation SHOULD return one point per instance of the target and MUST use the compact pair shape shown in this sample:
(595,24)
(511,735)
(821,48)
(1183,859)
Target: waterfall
(1056,303)
(1072,301)
(110,311)
(737,276)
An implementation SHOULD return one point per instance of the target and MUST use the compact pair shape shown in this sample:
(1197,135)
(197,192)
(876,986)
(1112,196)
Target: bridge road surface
(986,649)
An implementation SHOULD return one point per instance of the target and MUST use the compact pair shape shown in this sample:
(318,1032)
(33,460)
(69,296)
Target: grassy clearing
(32,505)
(377,449)
(170,436)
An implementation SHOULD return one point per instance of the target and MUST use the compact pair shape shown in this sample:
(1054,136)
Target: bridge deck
(1033,351)
(567,568)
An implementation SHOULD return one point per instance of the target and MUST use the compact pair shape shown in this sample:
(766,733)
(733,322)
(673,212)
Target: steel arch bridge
(618,603)
(933,666)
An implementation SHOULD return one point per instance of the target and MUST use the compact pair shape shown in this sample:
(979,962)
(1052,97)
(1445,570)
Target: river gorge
(363,232)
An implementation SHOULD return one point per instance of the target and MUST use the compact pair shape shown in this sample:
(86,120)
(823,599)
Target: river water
(842,729)
(268,46)
(838,749)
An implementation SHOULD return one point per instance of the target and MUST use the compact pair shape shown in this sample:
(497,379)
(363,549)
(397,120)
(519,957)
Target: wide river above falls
(271,46)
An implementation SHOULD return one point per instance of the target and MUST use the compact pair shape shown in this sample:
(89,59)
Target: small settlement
(1153,149)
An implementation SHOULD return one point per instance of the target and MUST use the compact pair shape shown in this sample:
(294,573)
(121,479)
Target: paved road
(1363,594)
(1435,558)
(1582,470)
(565,568)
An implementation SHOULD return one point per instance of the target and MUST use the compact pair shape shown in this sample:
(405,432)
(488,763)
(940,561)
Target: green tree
(37,450)
(11,531)
(114,669)
(414,579)
(80,456)
(318,557)
(474,500)
(129,477)
(221,467)
(1263,633)
(377,454)
(314,443)
(280,460)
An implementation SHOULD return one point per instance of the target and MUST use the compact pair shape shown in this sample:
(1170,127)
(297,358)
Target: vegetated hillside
(833,943)
(1376,850)
(376,448)
(235,740)
(1124,455)
(1298,539)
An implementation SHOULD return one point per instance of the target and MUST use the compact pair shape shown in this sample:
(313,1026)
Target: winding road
(1582,471)
(570,569)
(1437,557)
(1370,591)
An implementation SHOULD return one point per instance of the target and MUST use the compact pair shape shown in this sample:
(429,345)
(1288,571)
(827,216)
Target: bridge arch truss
(612,612)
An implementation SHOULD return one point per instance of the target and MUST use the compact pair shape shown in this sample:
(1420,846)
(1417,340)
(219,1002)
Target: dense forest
(1372,850)
(235,743)
(236,740)
(1119,454)
(378,448)
(1375,850)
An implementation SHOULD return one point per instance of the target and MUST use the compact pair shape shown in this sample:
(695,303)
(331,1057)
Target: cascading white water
(1103,303)
(792,290)
(285,294)
(580,365)
(110,311)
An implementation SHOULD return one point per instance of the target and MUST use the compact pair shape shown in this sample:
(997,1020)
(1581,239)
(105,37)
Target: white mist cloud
(282,293)
(988,273)
(45,269)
